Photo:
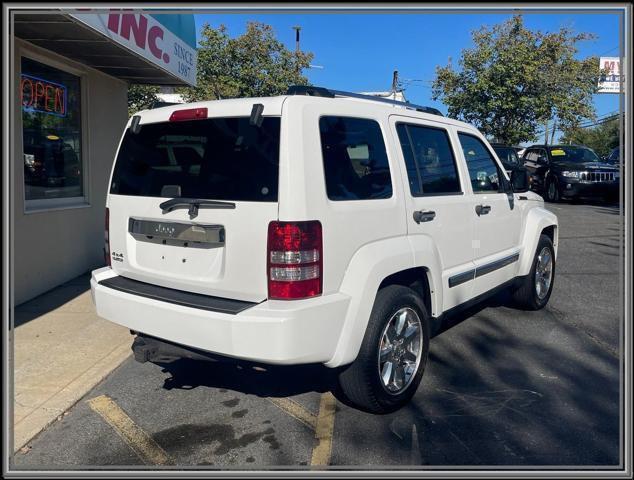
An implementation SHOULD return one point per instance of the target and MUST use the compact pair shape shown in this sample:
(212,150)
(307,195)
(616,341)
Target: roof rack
(328,93)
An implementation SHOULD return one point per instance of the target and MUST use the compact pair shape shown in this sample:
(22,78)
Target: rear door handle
(482,209)
(424,216)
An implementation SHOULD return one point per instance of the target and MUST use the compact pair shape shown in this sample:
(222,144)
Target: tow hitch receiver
(143,351)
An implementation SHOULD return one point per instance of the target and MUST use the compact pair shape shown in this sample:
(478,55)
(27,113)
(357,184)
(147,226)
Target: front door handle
(424,216)
(482,209)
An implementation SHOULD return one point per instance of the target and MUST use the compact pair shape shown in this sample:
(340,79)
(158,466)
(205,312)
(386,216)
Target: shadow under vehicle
(570,172)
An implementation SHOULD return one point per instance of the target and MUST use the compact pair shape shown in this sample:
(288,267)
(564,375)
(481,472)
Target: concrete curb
(61,350)
(49,411)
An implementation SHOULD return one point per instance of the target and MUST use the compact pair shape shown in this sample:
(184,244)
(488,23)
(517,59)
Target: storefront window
(51,126)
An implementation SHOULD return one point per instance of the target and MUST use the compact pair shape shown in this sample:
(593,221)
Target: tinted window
(220,159)
(483,170)
(507,155)
(355,160)
(431,167)
(535,154)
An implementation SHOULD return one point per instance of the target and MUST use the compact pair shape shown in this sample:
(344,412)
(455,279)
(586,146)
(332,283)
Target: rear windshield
(217,159)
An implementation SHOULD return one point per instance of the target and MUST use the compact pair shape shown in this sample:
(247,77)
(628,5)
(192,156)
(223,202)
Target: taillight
(106,248)
(294,260)
(188,114)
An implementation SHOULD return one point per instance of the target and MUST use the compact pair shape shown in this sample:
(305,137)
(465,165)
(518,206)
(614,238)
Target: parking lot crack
(559,315)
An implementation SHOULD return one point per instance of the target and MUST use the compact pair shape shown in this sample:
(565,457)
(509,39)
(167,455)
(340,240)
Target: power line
(607,117)
(605,120)
(608,51)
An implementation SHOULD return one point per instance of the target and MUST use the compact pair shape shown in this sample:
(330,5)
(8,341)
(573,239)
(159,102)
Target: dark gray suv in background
(570,171)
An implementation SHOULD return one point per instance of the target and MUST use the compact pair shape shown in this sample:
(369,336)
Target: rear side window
(355,161)
(483,169)
(218,159)
(531,155)
(431,166)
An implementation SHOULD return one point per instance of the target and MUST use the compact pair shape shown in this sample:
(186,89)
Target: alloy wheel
(400,350)
(543,272)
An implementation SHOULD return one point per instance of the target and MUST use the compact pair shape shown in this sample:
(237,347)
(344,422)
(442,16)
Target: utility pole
(394,84)
(552,134)
(297,28)
(546,133)
(394,81)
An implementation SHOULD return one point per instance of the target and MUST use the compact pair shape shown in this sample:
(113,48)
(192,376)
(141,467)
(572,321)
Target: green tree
(602,138)
(514,79)
(253,64)
(141,97)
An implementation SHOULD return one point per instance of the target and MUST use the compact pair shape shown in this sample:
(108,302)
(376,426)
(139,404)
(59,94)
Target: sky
(359,51)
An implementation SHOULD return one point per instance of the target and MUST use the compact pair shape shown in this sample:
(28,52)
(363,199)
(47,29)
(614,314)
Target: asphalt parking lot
(502,388)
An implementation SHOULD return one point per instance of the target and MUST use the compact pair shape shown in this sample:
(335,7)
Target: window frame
(387,156)
(31,206)
(504,186)
(418,173)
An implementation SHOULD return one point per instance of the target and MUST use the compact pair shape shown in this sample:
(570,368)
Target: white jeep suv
(314,227)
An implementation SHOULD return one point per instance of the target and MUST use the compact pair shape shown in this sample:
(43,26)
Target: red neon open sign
(39,95)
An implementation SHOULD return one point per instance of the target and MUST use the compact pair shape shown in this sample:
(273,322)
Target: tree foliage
(141,97)
(252,64)
(515,79)
(601,138)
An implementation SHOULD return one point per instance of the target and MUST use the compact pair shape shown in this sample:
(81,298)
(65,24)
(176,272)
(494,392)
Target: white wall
(53,246)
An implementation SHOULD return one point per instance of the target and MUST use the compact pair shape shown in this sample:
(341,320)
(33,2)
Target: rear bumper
(273,332)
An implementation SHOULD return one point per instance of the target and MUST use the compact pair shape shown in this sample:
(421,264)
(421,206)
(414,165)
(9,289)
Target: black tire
(361,381)
(552,190)
(526,296)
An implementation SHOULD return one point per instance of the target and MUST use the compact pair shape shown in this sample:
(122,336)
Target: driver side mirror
(520,180)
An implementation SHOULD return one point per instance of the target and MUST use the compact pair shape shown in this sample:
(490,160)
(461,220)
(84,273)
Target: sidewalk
(61,350)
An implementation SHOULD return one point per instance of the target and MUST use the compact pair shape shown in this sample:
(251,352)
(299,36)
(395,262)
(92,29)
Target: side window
(483,171)
(355,161)
(531,155)
(430,163)
(539,153)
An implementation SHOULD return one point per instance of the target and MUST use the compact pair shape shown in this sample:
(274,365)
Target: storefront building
(71,73)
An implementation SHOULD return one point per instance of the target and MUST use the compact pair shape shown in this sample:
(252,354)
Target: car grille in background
(597,176)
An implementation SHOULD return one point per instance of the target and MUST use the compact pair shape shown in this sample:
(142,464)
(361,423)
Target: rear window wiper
(193,204)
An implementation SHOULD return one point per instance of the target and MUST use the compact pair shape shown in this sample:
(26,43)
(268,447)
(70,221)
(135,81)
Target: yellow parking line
(142,444)
(324,430)
(296,411)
